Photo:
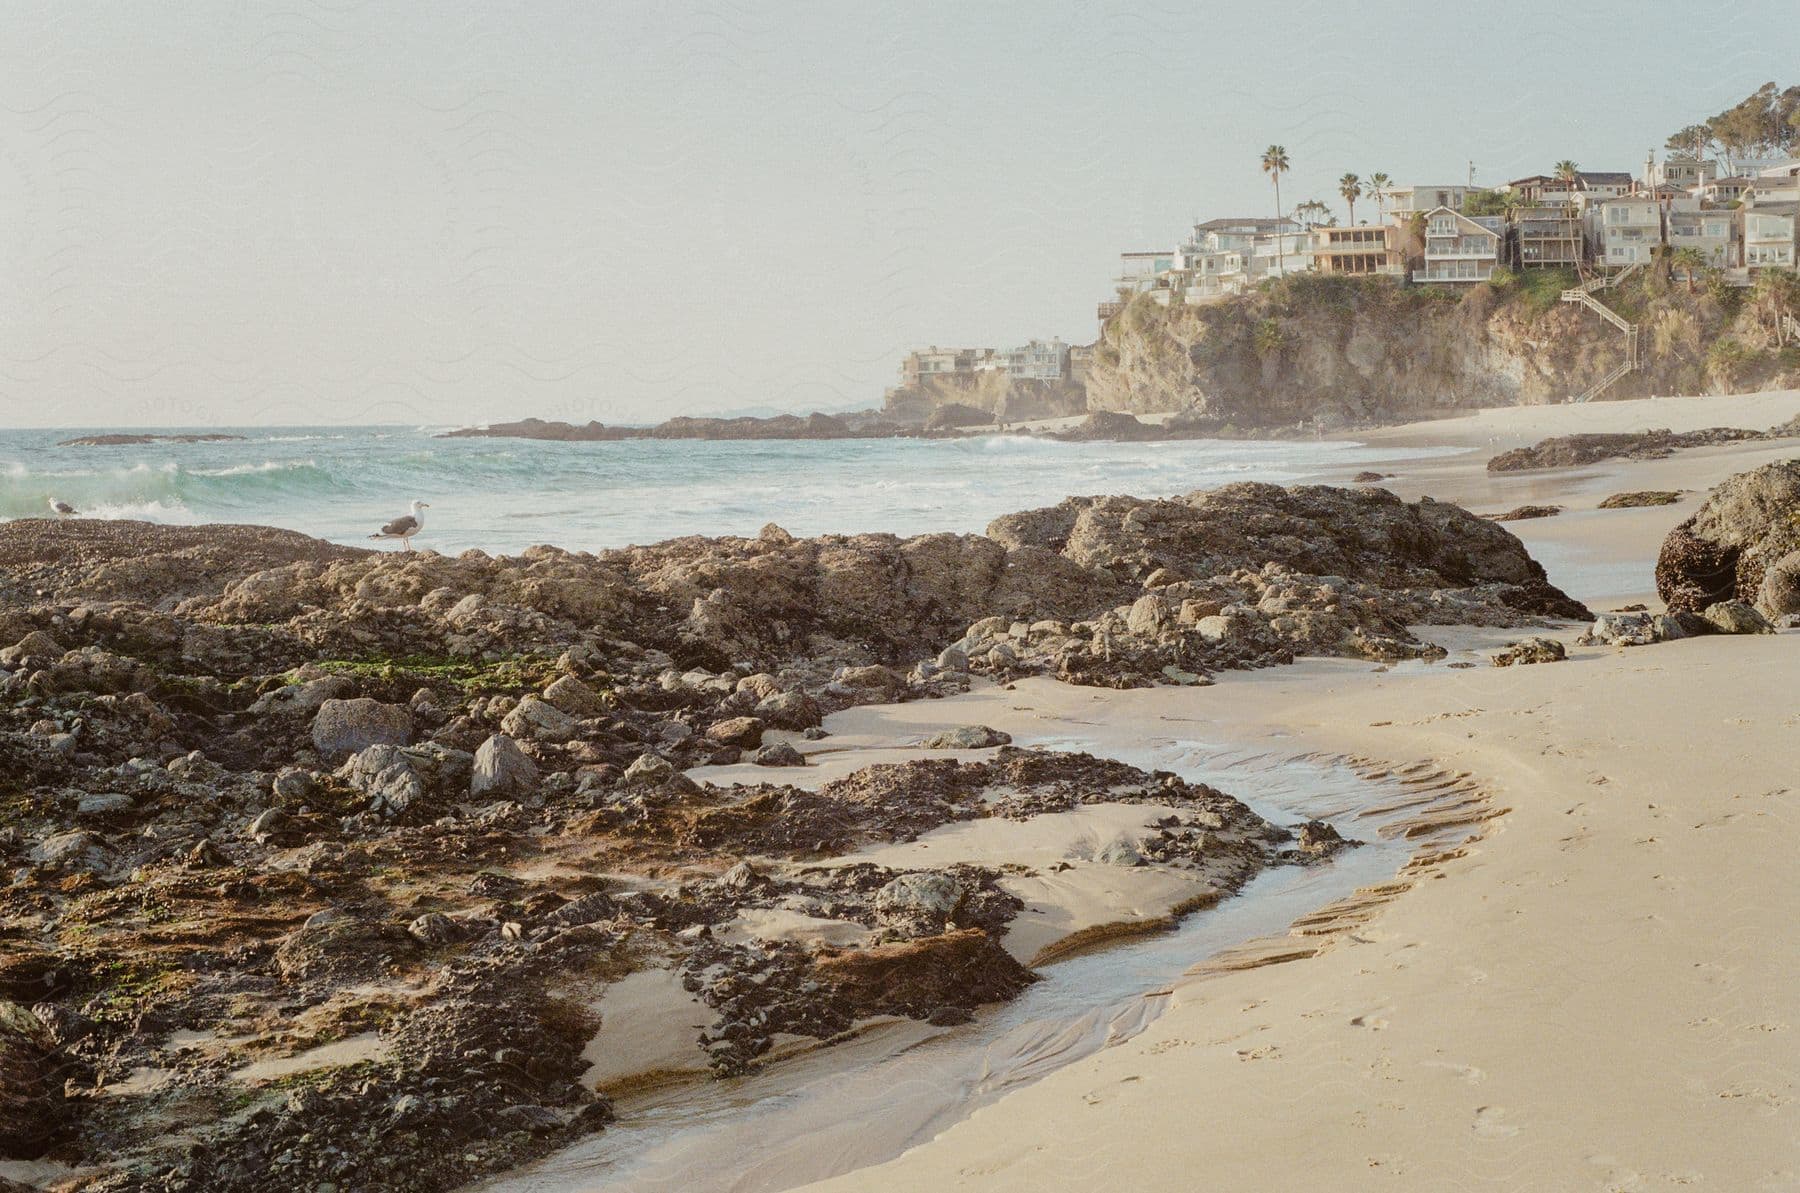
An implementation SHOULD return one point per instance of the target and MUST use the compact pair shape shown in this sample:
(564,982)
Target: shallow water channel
(837,1109)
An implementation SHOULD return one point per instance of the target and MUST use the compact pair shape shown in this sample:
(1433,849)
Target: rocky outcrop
(122,439)
(1743,544)
(1575,451)
(1000,397)
(1640,498)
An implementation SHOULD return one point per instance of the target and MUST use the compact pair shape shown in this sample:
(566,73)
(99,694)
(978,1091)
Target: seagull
(62,508)
(404,528)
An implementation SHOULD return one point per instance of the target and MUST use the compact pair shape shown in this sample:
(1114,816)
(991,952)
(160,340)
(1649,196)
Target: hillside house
(1362,249)
(1769,235)
(1550,237)
(1459,249)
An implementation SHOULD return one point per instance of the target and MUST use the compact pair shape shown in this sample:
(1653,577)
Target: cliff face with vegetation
(1338,349)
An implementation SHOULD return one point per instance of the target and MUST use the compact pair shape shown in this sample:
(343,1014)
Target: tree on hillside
(1694,141)
(1689,261)
(1776,298)
(1378,182)
(1350,186)
(1275,164)
(1566,170)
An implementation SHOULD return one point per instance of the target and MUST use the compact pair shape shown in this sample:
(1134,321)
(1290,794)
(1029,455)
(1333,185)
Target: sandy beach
(1599,995)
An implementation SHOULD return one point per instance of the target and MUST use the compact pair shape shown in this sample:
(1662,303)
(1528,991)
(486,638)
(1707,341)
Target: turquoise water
(503,495)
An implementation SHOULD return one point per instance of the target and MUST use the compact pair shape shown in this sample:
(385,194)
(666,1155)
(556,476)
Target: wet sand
(1600,994)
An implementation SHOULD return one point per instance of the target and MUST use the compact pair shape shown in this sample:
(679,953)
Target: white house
(1626,230)
(1459,249)
(1769,234)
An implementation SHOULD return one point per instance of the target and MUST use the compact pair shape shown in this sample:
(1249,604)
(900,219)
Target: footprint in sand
(1372,1022)
(1468,1073)
(1490,1123)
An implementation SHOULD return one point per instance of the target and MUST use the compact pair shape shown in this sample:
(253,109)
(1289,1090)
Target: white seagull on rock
(62,508)
(404,528)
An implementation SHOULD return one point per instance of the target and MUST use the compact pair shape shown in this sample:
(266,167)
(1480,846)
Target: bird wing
(405,525)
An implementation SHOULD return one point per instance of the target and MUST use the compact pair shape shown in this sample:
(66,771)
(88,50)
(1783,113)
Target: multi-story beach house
(1708,229)
(1459,249)
(1629,230)
(1684,172)
(1401,203)
(1138,271)
(1626,230)
(1550,236)
(1361,249)
(1038,360)
(1223,256)
(1769,234)
(939,362)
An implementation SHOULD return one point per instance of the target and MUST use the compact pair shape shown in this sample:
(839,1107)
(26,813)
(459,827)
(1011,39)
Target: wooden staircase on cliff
(1583,295)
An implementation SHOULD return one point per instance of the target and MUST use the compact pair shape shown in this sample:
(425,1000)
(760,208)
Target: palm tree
(1690,261)
(1566,170)
(1379,182)
(1350,186)
(1275,164)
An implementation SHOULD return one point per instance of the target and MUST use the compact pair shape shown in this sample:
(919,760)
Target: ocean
(503,495)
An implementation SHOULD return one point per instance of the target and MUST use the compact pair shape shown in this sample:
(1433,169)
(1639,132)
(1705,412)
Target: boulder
(649,770)
(386,775)
(778,754)
(501,768)
(1620,629)
(789,710)
(346,727)
(575,698)
(969,737)
(921,900)
(1149,614)
(1779,595)
(538,720)
(745,732)
(1736,617)
(77,849)
(1747,527)
(1533,650)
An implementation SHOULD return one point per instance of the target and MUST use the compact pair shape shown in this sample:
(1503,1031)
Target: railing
(1583,295)
(1790,326)
(1597,388)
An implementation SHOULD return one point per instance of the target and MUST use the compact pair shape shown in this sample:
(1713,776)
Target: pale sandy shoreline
(1601,995)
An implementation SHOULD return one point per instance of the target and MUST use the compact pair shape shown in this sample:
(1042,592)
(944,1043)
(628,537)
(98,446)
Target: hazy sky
(318,212)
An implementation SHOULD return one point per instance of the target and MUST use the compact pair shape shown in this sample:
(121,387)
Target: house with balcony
(1726,190)
(1626,230)
(943,362)
(1684,172)
(1038,360)
(1708,229)
(1769,235)
(1360,250)
(1550,237)
(1459,249)
(1401,203)
(1138,271)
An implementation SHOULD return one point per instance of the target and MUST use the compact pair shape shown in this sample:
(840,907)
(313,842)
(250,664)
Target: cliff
(1371,350)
